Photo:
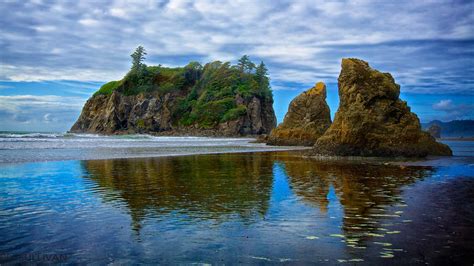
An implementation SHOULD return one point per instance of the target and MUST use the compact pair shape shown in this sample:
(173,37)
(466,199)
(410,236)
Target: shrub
(108,88)
(210,113)
(140,124)
(234,113)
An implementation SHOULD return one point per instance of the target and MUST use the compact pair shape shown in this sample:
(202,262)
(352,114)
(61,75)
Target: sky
(55,54)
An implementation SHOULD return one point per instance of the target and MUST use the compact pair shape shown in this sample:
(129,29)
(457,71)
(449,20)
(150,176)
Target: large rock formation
(372,120)
(215,100)
(154,113)
(308,117)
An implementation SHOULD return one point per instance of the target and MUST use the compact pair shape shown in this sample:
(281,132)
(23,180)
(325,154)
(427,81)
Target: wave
(30,135)
(53,136)
(42,135)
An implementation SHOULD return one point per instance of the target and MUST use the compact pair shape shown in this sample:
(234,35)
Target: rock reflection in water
(216,186)
(207,187)
(367,192)
(244,208)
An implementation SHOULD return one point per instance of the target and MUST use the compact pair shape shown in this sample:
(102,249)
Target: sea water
(31,147)
(229,208)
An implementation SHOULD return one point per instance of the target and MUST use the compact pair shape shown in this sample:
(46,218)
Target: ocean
(83,199)
(32,147)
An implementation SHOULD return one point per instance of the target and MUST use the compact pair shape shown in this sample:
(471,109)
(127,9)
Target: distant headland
(456,129)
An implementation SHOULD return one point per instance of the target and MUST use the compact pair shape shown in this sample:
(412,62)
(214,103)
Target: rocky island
(217,99)
(308,117)
(372,120)
(220,99)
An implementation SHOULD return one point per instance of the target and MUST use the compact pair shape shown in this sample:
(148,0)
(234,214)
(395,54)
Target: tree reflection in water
(203,187)
(239,185)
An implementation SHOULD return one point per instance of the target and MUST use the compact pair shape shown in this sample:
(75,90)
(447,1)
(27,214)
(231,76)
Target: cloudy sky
(55,54)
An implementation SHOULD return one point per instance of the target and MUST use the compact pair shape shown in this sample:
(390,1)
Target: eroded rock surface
(154,113)
(308,117)
(372,120)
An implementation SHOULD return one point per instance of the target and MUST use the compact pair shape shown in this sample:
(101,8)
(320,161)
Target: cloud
(19,112)
(452,111)
(16,102)
(301,41)
(118,12)
(444,105)
(89,22)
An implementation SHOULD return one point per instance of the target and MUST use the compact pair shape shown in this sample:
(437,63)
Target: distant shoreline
(458,138)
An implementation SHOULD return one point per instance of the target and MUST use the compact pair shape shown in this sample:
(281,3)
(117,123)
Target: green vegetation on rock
(234,113)
(108,88)
(205,95)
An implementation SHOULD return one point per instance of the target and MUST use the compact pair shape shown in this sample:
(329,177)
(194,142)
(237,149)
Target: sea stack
(216,99)
(308,117)
(372,120)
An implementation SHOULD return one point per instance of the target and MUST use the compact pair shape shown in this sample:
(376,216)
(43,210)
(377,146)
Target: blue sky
(55,54)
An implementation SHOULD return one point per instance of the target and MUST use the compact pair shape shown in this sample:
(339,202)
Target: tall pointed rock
(372,120)
(307,119)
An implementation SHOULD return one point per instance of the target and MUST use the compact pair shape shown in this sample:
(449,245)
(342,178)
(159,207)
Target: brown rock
(308,117)
(372,120)
(154,113)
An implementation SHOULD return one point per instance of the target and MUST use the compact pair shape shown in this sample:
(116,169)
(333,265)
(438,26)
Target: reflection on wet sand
(246,208)
(366,191)
(351,211)
(204,186)
(213,186)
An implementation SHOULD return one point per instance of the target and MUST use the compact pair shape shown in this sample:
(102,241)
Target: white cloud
(444,105)
(89,22)
(48,28)
(47,118)
(46,112)
(15,73)
(90,40)
(118,12)
(17,102)
(452,111)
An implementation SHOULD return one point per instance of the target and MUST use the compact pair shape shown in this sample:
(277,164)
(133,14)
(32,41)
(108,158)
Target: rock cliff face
(372,120)
(156,113)
(308,117)
(217,99)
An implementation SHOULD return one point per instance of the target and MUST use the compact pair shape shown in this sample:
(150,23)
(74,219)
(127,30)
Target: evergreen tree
(245,65)
(137,60)
(193,72)
(261,76)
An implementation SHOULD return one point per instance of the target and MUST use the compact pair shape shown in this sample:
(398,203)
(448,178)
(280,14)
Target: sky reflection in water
(248,208)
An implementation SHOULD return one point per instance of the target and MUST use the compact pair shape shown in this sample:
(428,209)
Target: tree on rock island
(137,60)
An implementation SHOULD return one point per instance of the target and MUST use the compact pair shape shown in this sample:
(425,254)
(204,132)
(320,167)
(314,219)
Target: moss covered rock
(372,120)
(308,117)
